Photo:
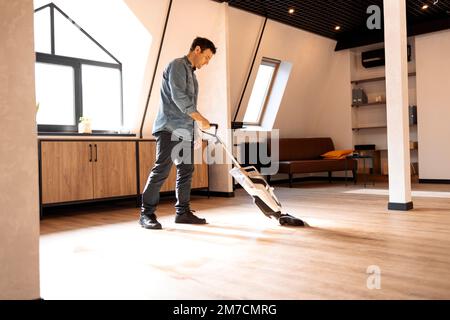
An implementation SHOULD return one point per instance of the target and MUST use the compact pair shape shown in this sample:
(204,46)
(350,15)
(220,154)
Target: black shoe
(149,222)
(189,218)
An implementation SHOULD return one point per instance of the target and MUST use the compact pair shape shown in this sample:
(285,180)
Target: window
(75,76)
(261,91)
(55,93)
(101,97)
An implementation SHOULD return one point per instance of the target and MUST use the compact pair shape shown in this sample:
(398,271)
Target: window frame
(76,64)
(276,65)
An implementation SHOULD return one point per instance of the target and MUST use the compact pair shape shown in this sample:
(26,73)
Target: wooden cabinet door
(200,177)
(66,171)
(114,169)
(147,156)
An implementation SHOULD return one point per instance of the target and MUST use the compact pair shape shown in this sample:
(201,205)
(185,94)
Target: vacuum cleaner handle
(212,125)
(215,126)
(218,140)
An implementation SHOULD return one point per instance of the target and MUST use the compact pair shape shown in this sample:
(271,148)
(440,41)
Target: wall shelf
(371,127)
(412,74)
(369,104)
(369,112)
(376,127)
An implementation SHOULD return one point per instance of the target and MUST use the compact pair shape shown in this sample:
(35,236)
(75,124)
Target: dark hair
(204,44)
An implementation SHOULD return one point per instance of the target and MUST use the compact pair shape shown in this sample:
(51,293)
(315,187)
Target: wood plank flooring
(102,253)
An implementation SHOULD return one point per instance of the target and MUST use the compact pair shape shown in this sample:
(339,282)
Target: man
(173,129)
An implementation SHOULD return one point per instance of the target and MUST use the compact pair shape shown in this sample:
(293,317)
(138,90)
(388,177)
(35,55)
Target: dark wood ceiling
(322,16)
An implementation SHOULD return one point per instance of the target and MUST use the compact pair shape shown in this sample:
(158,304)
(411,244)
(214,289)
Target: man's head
(201,52)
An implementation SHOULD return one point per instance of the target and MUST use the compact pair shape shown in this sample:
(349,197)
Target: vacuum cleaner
(257,187)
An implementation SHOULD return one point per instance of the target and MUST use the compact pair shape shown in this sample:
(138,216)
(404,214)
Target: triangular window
(71,42)
(43,31)
(69,39)
(76,77)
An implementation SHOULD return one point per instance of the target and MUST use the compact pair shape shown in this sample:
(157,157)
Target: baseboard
(435,181)
(201,192)
(400,206)
(303,179)
(306,179)
(76,206)
(220,194)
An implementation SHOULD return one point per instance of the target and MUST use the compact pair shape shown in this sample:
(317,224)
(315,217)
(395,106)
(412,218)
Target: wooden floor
(102,253)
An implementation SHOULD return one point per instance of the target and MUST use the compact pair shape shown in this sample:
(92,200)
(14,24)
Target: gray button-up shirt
(179,92)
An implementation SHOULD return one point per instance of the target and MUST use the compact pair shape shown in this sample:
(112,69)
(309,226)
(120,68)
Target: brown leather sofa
(303,155)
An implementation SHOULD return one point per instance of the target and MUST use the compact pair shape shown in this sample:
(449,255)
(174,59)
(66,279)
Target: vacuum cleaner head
(288,220)
(256,186)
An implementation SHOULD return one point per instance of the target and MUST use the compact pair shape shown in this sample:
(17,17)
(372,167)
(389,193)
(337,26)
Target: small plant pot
(84,127)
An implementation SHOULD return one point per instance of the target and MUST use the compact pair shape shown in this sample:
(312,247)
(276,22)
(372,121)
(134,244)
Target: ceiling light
(425,7)
(337,28)
(291,11)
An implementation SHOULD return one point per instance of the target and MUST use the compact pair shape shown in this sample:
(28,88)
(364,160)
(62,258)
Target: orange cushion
(337,154)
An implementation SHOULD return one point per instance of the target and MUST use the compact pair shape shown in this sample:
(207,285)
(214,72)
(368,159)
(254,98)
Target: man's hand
(202,122)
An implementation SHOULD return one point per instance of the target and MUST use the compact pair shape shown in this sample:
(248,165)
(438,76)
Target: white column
(397,104)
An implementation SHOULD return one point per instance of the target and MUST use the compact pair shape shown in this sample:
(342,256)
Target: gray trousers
(160,171)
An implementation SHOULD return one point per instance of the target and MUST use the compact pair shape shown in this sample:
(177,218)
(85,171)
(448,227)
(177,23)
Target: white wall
(19,213)
(152,15)
(317,98)
(433,104)
(206,19)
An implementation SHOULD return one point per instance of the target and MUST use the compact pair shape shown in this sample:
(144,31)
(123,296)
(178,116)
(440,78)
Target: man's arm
(201,120)
(177,83)
(178,88)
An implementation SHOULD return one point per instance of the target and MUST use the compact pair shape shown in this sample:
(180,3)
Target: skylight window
(261,91)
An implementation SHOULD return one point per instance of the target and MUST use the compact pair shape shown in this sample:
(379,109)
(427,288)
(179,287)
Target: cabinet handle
(90,153)
(95,145)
